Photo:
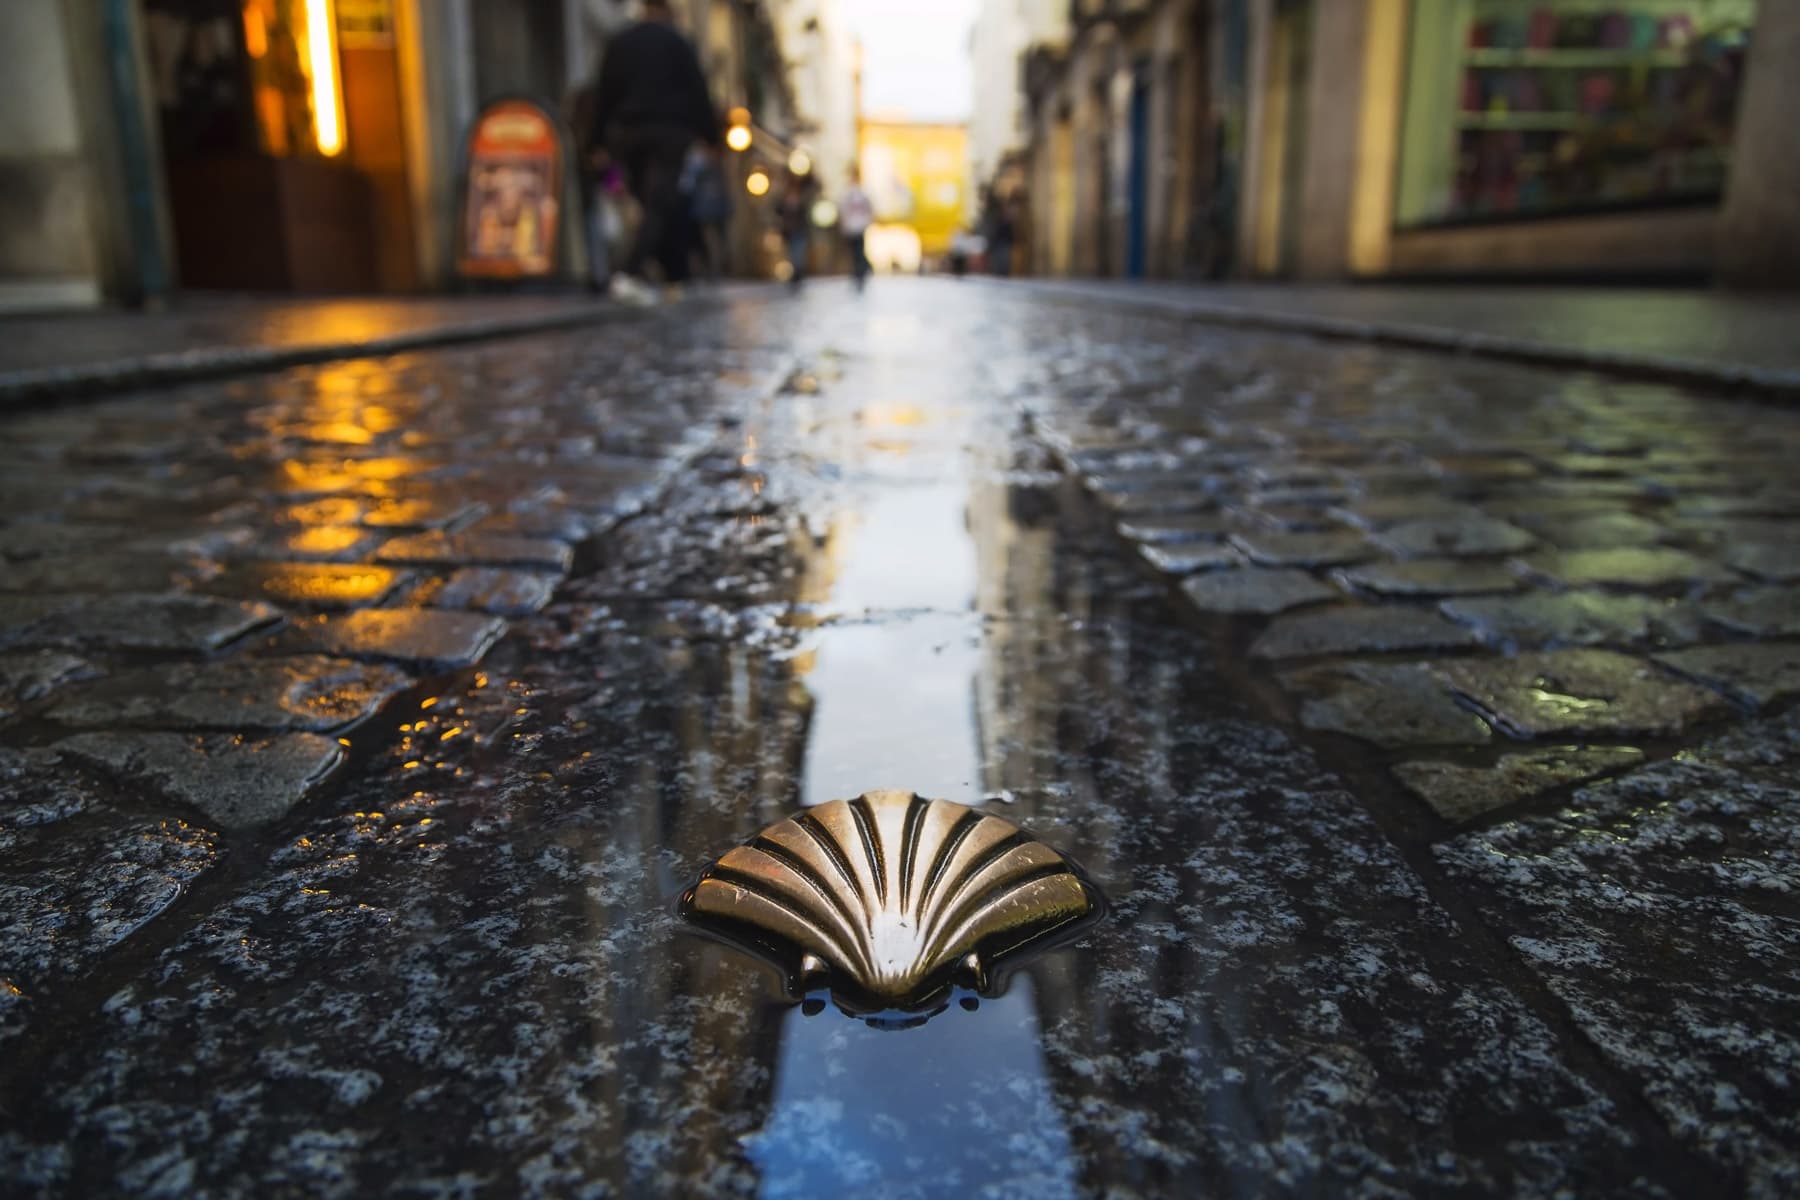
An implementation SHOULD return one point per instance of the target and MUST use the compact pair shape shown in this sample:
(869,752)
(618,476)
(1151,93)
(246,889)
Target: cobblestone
(1759,612)
(1634,566)
(1432,537)
(1401,705)
(1262,590)
(491,590)
(1431,577)
(1575,692)
(1776,561)
(1303,549)
(29,676)
(1574,619)
(440,549)
(162,621)
(1759,675)
(1343,629)
(301,693)
(1184,558)
(309,585)
(421,637)
(234,783)
(1658,906)
(1460,794)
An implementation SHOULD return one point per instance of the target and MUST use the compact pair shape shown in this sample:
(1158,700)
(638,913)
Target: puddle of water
(960,1105)
(894,707)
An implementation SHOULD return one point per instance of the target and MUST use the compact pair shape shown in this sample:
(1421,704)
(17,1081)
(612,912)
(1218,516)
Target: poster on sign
(513,165)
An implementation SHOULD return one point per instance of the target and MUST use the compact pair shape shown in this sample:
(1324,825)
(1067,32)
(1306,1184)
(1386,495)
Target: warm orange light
(757,184)
(256,31)
(327,98)
(738,116)
(738,137)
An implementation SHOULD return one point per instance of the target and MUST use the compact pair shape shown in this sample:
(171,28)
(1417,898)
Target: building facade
(1332,139)
(306,145)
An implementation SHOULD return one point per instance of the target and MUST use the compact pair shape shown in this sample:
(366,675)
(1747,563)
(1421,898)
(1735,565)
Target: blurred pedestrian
(855,214)
(1000,234)
(793,215)
(709,208)
(652,107)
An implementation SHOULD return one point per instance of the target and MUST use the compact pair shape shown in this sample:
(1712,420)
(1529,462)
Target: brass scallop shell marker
(891,899)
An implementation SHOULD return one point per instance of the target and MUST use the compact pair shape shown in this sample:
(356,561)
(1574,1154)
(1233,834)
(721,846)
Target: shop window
(1516,108)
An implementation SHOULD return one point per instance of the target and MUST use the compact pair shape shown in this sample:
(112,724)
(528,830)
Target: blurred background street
(1326,469)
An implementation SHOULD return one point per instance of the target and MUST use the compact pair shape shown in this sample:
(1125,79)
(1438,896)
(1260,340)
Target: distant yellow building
(916,174)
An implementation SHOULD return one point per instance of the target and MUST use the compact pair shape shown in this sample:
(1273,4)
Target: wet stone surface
(1660,908)
(300,693)
(1431,577)
(1261,590)
(1560,692)
(1585,618)
(670,583)
(1350,630)
(1394,705)
(235,782)
(1462,793)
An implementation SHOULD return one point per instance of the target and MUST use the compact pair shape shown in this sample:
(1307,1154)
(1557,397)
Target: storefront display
(1516,108)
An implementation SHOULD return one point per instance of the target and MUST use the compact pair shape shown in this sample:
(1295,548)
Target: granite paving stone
(315,543)
(1390,704)
(65,901)
(1347,629)
(1599,531)
(1261,590)
(31,675)
(442,549)
(234,782)
(1190,527)
(1583,618)
(1184,558)
(1159,502)
(1431,577)
(1660,907)
(420,512)
(301,693)
(1549,693)
(89,573)
(1384,511)
(494,590)
(1775,561)
(1759,612)
(1760,675)
(155,621)
(1628,566)
(22,616)
(1453,536)
(1460,793)
(309,585)
(423,637)
(1303,549)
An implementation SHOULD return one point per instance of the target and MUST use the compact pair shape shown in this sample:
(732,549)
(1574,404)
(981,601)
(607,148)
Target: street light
(738,137)
(757,184)
(800,162)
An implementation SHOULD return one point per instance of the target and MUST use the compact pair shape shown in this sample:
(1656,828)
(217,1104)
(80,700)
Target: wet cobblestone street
(1427,721)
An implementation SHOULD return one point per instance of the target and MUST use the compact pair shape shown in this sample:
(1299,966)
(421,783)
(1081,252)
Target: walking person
(709,208)
(793,215)
(652,107)
(855,215)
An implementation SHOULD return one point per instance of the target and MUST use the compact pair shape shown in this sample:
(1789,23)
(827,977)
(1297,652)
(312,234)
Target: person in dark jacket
(652,107)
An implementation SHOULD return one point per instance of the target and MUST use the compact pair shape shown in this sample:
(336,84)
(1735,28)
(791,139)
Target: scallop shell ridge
(890,897)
